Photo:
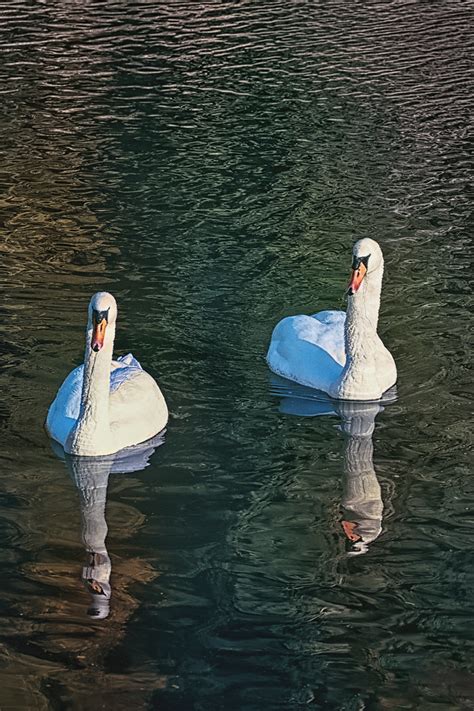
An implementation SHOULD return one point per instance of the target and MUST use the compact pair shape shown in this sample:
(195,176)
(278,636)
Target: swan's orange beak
(99,325)
(358,273)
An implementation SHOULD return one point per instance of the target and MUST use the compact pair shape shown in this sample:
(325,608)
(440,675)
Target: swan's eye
(357,261)
(99,316)
(99,326)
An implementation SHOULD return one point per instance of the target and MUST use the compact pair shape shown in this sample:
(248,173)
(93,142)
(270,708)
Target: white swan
(340,353)
(105,405)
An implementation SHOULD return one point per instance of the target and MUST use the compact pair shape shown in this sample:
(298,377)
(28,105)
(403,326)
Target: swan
(336,352)
(105,405)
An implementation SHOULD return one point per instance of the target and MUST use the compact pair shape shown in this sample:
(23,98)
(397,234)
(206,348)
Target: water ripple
(212,163)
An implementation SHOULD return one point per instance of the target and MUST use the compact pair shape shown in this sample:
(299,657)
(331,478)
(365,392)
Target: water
(211,164)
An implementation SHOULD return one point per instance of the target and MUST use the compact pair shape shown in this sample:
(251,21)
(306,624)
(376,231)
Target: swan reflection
(91,477)
(362,497)
(361,502)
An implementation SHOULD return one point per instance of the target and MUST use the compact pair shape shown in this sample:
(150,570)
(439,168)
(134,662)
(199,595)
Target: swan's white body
(105,405)
(336,352)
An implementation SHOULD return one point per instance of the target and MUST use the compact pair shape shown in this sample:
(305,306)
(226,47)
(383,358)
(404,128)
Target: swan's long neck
(92,434)
(363,315)
(359,379)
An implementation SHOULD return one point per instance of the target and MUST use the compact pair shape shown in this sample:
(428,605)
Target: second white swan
(105,405)
(340,353)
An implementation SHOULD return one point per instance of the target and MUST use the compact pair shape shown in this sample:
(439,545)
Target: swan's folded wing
(64,409)
(330,335)
(309,349)
(128,359)
(137,408)
(124,368)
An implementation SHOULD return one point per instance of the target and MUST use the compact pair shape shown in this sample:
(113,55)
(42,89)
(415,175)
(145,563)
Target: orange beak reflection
(349,529)
(356,278)
(98,335)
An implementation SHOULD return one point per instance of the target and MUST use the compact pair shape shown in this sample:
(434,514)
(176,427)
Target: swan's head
(102,314)
(367,258)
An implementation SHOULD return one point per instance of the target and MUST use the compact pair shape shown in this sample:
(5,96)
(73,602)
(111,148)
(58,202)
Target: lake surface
(211,164)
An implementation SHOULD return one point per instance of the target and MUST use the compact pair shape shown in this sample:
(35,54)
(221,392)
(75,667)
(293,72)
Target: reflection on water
(362,497)
(211,164)
(91,477)
(50,633)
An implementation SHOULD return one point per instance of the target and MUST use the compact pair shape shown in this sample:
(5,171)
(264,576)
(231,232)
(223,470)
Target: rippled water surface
(211,164)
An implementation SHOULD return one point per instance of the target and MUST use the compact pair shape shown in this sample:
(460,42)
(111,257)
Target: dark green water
(211,164)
